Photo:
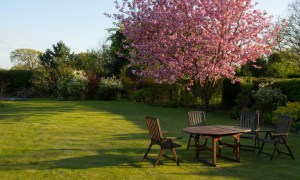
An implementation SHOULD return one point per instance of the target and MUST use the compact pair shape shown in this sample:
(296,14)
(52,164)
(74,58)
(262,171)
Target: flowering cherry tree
(200,42)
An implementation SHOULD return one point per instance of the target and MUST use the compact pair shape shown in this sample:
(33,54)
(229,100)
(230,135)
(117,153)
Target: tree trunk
(207,90)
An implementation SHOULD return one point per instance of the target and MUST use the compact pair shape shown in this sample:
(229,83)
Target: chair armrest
(171,138)
(266,130)
(279,134)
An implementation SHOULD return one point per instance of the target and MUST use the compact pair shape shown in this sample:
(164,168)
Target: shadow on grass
(102,158)
(16,112)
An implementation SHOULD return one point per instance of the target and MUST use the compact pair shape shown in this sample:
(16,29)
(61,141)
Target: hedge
(289,87)
(229,93)
(15,80)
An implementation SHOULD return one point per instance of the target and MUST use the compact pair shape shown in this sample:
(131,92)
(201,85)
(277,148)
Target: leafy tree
(256,69)
(26,59)
(117,51)
(55,63)
(95,61)
(282,64)
(291,33)
(196,42)
(60,56)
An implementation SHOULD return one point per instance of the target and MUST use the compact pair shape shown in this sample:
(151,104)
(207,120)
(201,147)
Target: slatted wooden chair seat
(279,136)
(250,120)
(157,138)
(196,118)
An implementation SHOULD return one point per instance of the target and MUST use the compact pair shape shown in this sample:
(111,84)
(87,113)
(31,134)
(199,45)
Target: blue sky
(81,24)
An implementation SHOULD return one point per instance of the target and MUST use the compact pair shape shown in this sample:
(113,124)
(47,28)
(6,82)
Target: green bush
(72,85)
(229,93)
(291,109)
(243,99)
(166,95)
(142,95)
(290,87)
(15,80)
(109,88)
(234,112)
(268,99)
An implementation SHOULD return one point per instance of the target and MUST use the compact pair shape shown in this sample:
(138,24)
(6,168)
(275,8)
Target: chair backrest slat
(249,120)
(283,124)
(154,129)
(197,118)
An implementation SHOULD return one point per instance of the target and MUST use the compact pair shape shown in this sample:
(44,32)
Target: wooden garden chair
(196,118)
(279,136)
(250,120)
(157,138)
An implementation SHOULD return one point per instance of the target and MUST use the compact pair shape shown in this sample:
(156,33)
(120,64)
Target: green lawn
(42,139)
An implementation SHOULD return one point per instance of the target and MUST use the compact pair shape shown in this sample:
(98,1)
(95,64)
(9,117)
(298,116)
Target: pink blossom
(198,39)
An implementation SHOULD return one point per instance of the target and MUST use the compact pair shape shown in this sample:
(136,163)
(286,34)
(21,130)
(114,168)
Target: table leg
(197,145)
(220,147)
(237,146)
(214,160)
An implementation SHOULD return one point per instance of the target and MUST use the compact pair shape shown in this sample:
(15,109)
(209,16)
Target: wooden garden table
(216,132)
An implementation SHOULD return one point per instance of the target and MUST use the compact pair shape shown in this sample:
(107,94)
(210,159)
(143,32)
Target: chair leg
(275,149)
(256,143)
(205,141)
(262,146)
(257,138)
(255,146)
(188,145)
(175,156)
(159,156)
(146,154)
(290,152)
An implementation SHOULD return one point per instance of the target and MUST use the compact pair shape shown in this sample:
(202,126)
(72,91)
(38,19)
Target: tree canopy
(291,33)
(27,59)
(200,42)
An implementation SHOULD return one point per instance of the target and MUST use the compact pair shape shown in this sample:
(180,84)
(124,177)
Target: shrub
(290,87)
(291,109)
(243,98)
(142,95)
(72,85)
(229,93)
(41,82)
(92,86)
(15,80)
(268,99)
(109,88)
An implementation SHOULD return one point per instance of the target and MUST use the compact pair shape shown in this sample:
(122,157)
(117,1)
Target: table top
(216,130)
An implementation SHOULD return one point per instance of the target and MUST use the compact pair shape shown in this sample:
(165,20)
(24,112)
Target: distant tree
(281,65)
(26,59)
(60,55)
(117,51)
(278,65)
(95,61)
(55,63)
(256,69)
(198,42)
(291,33)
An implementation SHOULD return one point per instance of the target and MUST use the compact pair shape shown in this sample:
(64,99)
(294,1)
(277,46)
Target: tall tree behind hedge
(25,59)
(291,33)
(118,53)
(59,55)
(54,63)
(95,61)
(282,65)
